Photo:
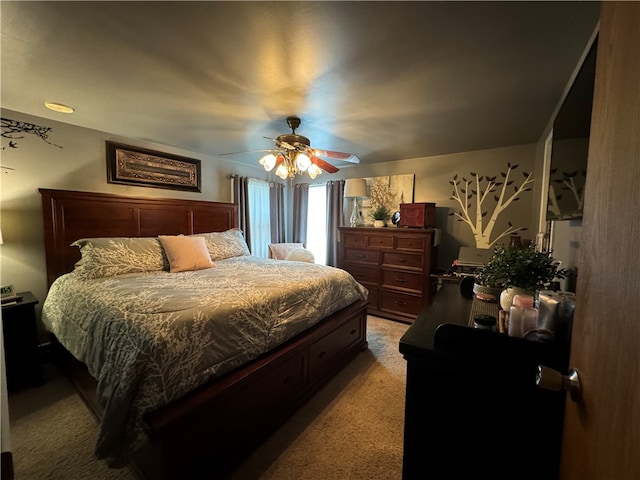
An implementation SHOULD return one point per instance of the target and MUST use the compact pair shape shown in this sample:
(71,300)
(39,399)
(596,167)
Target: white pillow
(186,253)
(301,255)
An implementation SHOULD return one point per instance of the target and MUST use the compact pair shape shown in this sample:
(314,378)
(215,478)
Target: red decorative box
(420,215)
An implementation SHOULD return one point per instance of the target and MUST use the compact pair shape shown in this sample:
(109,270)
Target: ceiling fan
(293,155)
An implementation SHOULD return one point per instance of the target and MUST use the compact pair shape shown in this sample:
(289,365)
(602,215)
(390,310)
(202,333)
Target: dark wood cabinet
(472,406)
(394,264)
(19,330)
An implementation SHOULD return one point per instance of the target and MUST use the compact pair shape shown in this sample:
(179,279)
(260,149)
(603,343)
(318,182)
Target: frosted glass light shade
(302,162)
(282,171)
(268,162)
(314,171)
(355,187)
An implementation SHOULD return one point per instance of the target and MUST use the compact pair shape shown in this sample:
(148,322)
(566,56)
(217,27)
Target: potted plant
(380,214)
(524,269)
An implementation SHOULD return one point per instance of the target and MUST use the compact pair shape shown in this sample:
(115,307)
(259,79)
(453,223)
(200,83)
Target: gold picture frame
(128,165)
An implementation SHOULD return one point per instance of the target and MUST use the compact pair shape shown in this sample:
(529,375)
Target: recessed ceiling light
(59,107)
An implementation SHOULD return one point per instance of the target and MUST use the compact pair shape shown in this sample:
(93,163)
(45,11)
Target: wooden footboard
(207,433)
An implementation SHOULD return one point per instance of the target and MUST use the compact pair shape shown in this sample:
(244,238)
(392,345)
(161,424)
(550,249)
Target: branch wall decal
(12,129)
(474,213)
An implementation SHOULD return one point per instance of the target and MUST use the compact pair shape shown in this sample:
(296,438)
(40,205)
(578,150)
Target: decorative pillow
(279,251)
(186,253)
(227,244)
(301,255)
(110,256)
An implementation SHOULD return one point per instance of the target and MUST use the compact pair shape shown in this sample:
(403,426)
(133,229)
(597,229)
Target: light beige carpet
(352,429)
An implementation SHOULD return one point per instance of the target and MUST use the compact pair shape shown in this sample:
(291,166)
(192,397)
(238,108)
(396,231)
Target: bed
(187,370)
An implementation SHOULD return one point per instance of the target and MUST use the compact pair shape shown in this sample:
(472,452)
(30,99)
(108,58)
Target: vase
(378,223)
(506,297)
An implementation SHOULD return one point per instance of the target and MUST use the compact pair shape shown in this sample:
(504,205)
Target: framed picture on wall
(129,165)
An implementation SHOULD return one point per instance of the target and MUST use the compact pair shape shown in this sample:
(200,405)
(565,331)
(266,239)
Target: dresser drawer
(400,303)
(411,243)
(325,349)
(363,256)
(411,260)
(354,239)
(363,273)
(404,280)
(380,241)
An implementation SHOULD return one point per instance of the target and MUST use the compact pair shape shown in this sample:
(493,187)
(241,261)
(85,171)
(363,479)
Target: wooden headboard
(69,216)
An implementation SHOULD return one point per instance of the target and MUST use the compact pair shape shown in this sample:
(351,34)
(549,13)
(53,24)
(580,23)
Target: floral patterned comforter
(148,338)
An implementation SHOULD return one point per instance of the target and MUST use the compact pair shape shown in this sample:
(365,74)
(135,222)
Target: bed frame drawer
(328,348)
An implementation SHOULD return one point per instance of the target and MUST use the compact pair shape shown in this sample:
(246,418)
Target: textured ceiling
(383,80)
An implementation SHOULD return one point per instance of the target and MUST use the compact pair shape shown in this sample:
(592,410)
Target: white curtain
(259,217)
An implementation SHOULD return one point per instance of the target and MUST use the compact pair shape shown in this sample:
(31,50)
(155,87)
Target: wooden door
(602,434)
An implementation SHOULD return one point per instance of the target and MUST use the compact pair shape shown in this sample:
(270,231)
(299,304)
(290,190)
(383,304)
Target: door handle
(550,379)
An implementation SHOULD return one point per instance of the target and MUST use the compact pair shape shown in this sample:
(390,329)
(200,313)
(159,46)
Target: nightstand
(21,342)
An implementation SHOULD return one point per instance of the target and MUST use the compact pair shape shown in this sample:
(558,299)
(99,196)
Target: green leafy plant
(380,213)
(511,266)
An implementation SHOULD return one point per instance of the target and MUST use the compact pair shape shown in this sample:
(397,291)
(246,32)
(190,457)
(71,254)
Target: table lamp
(354,188)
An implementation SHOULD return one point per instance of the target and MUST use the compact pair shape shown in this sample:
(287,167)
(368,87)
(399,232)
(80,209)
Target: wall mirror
(570,145)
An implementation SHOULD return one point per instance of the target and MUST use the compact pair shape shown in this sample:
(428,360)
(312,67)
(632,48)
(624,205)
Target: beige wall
(81,165)
(432,177)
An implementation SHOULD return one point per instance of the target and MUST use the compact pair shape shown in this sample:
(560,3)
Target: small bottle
(515,321)
(485,322)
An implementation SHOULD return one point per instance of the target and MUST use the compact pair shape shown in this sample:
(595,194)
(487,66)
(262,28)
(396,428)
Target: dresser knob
(401,280)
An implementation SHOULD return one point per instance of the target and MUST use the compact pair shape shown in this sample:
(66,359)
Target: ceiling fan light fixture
(303,162)
(314,171)
(282,171)
(268,162)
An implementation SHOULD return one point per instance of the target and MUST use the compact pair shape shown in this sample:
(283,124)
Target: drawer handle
(402,260)
(401,280)
(400,303)
(362,256)
(352,332)
(322,354)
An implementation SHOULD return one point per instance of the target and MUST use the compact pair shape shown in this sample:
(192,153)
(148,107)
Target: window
(259,217)
(317,223)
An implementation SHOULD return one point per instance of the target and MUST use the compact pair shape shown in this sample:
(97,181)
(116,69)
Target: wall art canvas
(401,187)
(129,165)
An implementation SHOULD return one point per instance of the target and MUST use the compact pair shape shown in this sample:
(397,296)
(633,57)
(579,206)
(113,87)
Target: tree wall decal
(572,182)
(475,213)
(12,129)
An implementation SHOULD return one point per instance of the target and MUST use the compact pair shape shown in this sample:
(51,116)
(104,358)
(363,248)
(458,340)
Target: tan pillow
(186,253)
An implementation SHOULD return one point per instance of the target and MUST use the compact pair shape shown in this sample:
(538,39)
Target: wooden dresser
(394,265)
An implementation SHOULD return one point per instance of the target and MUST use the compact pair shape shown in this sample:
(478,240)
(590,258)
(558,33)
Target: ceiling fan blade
(248,151)
(342,156)
(326,166)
